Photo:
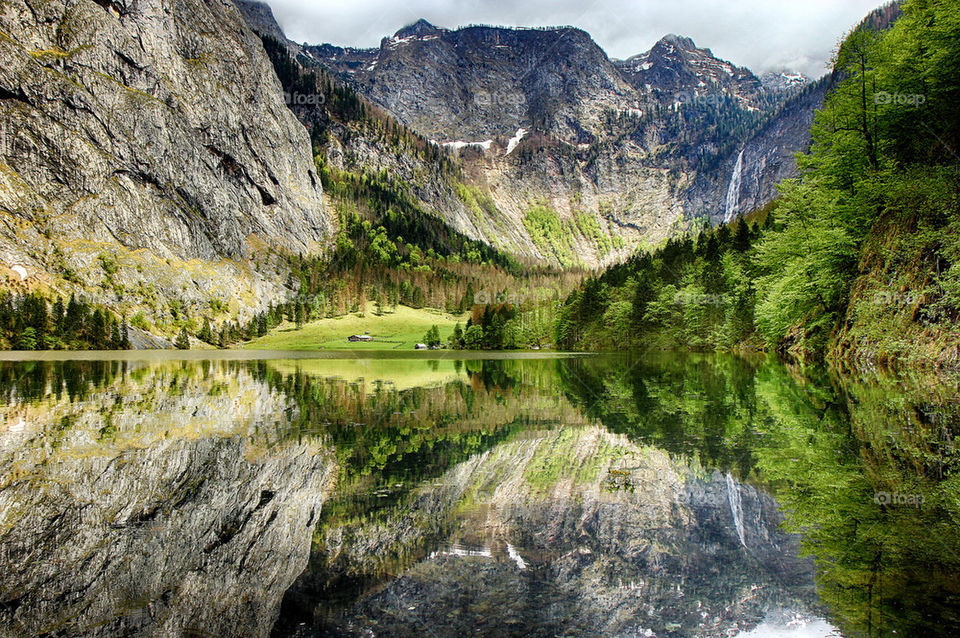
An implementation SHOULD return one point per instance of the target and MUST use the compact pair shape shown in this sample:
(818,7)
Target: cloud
(759,34)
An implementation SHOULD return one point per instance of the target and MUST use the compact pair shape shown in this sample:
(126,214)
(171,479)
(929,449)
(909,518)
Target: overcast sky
(759,34)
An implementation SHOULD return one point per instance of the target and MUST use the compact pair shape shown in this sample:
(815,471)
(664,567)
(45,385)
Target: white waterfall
(736,506)
(733,191)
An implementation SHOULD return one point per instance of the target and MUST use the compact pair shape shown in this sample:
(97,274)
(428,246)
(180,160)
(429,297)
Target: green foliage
(807,266)
(432,338)
(183,340)
(478,202)
(473,337)
(690,294)
(109,264)
(28,339)
(589,227)
(872,217)
(140,322)
(30,322)
(550,234)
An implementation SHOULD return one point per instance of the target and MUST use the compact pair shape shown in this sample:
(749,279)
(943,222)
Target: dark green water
(564,496)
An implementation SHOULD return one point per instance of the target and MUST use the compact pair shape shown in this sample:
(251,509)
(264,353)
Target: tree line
(857,252)
(32,322)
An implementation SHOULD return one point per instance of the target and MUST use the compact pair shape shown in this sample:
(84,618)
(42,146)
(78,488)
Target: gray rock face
(766,158)
(676,69)
(784,81)
(543,117)
(482,82)
(156,125)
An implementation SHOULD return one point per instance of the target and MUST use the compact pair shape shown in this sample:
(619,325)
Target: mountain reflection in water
(600,496)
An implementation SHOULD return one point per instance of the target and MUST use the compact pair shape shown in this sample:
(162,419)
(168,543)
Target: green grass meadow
(398,330)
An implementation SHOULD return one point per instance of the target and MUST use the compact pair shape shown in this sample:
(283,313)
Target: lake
(455,494)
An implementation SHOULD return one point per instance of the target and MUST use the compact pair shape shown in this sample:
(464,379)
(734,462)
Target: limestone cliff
(154,132)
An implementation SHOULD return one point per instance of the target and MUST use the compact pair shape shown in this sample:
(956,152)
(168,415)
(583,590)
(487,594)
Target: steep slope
(583,158)
(748,177)
(675,67)
(356,137)
(175,511)
(154,133)
(482,82)
(573,531)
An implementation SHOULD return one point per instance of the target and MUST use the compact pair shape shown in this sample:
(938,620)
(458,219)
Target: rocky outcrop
(156,125)
(477,83)
(765,159)
(675,69)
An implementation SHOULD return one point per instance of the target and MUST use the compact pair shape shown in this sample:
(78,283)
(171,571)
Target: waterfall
(733,191)
(736,506)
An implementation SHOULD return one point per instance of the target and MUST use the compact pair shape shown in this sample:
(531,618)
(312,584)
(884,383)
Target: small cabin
(359,338)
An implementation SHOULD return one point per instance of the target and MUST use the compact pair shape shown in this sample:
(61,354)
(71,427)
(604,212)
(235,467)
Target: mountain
(165,161)
(675,69)
(748,178)
(482,82)
(148,158)
(543,120)
(783,81)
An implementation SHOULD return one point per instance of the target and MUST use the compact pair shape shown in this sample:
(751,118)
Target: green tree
(473,338)
(116,343)
(27,339)
(206,332)
(432,338)
(456,339)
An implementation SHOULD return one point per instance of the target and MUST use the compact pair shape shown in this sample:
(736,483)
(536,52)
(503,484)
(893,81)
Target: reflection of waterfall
(736,506)
(516,557)
(733,191)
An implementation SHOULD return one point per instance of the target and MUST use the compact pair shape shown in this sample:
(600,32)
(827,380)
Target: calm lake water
(667,496)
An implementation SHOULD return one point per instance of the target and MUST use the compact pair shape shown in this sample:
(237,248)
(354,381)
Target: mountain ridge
(543,117)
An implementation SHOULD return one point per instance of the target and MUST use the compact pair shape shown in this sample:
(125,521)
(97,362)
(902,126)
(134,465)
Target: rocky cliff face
(154,126)
(173,511)
(676,68)
(148,154)
(617,153)
(747,178)
(481,82)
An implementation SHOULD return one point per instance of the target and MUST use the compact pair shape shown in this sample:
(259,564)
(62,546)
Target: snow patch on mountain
(515,140)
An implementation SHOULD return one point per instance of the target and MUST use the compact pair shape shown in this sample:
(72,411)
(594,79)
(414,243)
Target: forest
(856,256)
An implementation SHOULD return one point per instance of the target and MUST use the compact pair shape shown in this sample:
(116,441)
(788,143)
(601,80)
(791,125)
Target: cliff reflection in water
(668,496)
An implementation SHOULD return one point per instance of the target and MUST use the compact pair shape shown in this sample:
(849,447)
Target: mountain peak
(259,16)
(783,80)
(677,40)
(419,28)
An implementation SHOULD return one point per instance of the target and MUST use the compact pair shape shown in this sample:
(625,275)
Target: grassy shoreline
(400,329)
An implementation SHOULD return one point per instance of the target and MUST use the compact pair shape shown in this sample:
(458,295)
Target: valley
(520,176)
(334,320)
